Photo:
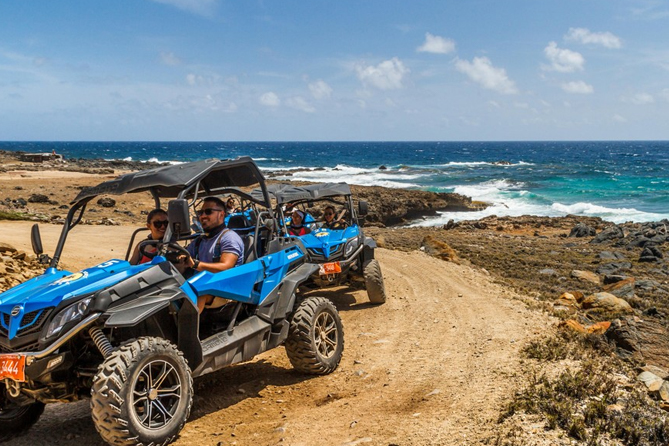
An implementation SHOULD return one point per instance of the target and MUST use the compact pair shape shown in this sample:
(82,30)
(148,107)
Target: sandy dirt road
(432,366)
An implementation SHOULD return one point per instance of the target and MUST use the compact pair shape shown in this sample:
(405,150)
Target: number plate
(330,268)
(13,366)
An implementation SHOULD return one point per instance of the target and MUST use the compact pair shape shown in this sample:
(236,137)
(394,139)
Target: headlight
(72,313)
(351,246)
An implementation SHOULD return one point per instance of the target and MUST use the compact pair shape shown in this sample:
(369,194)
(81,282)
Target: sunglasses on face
(160,223)
(328,213)
(207,211)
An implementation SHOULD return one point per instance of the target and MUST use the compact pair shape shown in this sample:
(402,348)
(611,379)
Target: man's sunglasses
(328,213)
(159,223)
(207,211)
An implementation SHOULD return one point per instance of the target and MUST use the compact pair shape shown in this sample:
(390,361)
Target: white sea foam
(507,199)
(482,163)
(150,160)
(354,175)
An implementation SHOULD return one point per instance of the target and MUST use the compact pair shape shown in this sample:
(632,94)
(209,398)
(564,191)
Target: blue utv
(130,338)
(344,255)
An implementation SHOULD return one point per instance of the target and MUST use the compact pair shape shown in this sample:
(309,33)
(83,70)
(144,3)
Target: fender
(369,245)
(131,313)
(276,308)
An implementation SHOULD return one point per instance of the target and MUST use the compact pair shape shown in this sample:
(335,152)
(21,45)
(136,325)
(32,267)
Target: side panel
(281,302)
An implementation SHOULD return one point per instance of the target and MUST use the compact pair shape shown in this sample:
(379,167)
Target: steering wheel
(173,249)
(145,244)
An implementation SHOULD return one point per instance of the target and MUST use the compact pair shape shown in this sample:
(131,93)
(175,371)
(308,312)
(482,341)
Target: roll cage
(304,197)
(188,181)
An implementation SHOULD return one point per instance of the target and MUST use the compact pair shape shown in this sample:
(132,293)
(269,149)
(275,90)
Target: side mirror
(363,208)
(36,240)
(177,213)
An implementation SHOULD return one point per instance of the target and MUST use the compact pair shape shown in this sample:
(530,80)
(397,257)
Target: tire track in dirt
(432,366)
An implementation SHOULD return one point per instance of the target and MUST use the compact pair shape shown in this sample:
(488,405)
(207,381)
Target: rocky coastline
(608,282)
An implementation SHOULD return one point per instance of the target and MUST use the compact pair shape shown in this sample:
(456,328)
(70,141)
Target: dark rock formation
(644,340)
(106,202)
(582,230)
(609,234)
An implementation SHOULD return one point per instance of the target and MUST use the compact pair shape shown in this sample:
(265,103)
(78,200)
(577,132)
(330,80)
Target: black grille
(30,322)
(318,254)
(33,321)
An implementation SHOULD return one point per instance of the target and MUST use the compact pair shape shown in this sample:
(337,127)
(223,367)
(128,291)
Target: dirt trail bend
(432,366)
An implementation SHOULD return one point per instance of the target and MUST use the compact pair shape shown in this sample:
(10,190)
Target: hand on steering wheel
(172,248)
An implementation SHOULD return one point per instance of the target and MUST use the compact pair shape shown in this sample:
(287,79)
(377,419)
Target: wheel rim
(156,394)
(326,335)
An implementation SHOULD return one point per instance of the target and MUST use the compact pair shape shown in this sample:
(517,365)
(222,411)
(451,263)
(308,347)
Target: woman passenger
(157,223)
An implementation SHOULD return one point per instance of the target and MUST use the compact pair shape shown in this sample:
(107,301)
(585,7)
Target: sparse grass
(4,215)
(567,344)
(579,400)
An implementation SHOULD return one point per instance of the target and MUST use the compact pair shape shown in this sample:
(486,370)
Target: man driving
(218,249)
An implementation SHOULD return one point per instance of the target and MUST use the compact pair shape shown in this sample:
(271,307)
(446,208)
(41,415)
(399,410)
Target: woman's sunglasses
(160,223)
(207,211)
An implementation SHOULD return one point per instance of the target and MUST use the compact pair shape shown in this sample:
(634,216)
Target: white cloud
(270,99)
(170,59)
(584,35)
(577,87)
(388,75)
(320,89)
(437,45)
(642,99)
(562,60)
(494,104)
(481,71)
(619,118)
(199,80)
(299,103)
(200,7)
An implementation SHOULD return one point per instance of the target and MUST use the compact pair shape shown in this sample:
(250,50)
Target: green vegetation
(4,215)
(590,402)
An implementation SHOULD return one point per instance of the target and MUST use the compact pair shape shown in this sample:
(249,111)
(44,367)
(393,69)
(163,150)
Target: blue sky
(247,70)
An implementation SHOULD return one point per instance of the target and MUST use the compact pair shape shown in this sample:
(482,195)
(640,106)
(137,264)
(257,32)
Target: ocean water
(618,181)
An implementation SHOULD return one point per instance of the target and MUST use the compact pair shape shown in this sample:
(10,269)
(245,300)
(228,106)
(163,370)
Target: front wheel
(142,393)
(14,419)
(376,291)
(315,340)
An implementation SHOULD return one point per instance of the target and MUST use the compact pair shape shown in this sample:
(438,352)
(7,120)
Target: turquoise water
(618,181)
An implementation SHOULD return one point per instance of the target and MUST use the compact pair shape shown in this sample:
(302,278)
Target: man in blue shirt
(218,249)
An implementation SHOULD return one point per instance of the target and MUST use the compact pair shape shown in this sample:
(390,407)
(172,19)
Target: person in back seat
(296,227)
(218,249)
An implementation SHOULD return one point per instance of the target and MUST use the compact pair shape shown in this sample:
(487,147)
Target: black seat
(249,248)
(237,222)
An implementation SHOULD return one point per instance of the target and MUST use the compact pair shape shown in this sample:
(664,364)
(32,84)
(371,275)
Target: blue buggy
(130,338)
(344,255)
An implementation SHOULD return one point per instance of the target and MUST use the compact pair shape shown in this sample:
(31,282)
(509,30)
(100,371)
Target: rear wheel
(142,393)
(316,337)
(15,419)
(376,290)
